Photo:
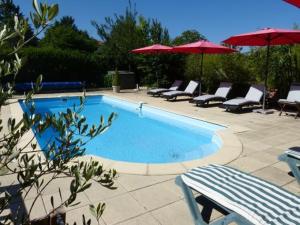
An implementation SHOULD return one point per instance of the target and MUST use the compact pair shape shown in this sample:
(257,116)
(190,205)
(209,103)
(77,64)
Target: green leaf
(53,11)
(93,210)
(35,20)
(74,204)
(36,7)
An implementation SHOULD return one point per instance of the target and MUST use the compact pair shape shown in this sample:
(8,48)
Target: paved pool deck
(155,199)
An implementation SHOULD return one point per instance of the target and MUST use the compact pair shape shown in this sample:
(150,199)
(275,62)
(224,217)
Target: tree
(158,34)
(64,34)
(124,33)
(120,35)
(36,168)
(8,10)
(188,36)
(283,66)
(189,64)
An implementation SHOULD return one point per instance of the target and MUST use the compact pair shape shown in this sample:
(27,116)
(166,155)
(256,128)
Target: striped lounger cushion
(258,201)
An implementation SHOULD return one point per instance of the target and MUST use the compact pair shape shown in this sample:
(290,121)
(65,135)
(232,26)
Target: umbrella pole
(266,76)
(157,81)
(201,73)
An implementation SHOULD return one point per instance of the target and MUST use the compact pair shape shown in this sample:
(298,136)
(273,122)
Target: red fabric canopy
(294,2)
(264,37)
(153,49)
(202,46)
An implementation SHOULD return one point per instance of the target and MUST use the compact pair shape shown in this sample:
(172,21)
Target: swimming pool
(147,135)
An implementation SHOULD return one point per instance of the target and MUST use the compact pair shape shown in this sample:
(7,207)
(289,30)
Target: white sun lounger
(293,99)
(158,91)
(220,95)
(247,199)
(292,158)
(189,91)
(253,97)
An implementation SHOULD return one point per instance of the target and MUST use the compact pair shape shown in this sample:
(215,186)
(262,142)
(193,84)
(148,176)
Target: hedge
(61,65)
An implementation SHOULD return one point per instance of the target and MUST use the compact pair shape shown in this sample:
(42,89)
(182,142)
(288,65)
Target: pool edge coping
(230,142)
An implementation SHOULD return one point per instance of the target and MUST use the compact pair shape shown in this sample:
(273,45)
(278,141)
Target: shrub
(107,80)
(61,65)
(116,79)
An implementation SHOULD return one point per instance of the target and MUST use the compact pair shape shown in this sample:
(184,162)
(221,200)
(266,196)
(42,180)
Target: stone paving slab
(157,196)
(145,219)
(122,208)
(75,215)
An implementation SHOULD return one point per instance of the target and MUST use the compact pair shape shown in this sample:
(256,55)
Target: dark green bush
(116,78)
(107,80)
(61,65)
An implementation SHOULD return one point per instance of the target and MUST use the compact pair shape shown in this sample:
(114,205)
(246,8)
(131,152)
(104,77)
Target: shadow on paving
(16,208)
(209,105)
(179,100)
(208,207)
(243,110)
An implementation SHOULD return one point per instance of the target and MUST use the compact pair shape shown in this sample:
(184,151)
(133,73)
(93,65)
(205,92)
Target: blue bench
(48,86)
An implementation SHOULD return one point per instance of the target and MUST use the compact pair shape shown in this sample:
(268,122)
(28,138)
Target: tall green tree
(283,67)
(120,35)
(188,66)
(188,36)
(64,34)
(8,11)
(158,34)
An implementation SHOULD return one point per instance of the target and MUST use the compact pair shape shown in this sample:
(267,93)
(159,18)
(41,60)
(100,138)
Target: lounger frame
(158,91)
(293,164)
(248,100)
(240,106)
(291,100)
(218,97)
(196,214)
(189,91)
(206,102)
(174,97)
(296,104)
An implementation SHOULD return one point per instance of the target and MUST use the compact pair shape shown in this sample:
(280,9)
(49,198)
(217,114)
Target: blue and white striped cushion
(258,201)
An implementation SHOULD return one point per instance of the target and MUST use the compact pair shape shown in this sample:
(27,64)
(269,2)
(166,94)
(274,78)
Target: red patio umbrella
(294,2)
(265,37)
(202,47)
(153,49)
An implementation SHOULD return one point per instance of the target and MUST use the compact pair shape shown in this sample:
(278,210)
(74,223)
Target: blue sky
(216,19)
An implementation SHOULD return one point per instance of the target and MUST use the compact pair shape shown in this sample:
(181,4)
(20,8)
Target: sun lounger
(159,91)
(220,95)
(292,158)
(293,99)
(189,91)
(253,97)
(247,199)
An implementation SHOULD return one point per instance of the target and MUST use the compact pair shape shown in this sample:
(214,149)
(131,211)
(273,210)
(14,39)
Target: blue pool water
(147,136)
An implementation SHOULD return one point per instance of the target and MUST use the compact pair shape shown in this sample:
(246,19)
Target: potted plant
(116,82)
